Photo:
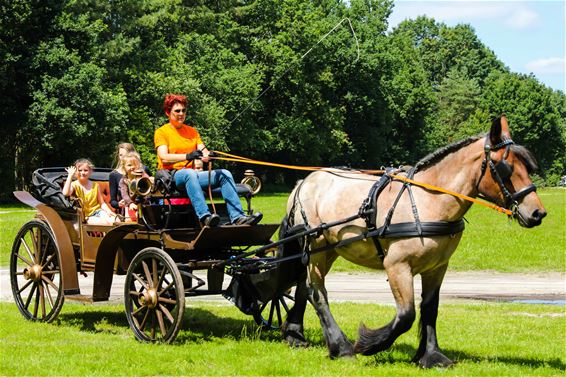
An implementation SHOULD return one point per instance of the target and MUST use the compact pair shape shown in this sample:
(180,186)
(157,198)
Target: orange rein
(235,158)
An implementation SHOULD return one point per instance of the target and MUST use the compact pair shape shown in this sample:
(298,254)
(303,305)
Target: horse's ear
(499,130)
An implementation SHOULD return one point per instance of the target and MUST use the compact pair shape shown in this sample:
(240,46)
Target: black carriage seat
(48,184)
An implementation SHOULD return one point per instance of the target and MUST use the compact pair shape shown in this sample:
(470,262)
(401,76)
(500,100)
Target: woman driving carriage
(178,145)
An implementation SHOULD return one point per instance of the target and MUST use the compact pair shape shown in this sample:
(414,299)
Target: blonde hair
(84,161)
(128,147)
(131,156)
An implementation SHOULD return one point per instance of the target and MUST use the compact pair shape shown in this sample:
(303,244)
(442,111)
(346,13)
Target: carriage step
(79,297)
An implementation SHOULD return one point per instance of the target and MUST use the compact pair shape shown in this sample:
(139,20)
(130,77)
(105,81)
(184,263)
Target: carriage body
(160,255)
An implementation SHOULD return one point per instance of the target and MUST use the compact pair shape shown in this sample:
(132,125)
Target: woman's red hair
(172,99)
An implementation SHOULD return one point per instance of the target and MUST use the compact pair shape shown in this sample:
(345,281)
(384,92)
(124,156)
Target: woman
(178,145)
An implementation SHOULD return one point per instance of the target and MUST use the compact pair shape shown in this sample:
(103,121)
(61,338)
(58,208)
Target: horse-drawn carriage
(160,255)
(405,222)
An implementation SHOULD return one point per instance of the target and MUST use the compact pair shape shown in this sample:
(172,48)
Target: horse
(324,196)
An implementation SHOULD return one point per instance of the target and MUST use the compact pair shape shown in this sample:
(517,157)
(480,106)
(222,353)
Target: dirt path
(374,288)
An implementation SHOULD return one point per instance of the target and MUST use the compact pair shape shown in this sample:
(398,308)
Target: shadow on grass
(403,353)
(198,325)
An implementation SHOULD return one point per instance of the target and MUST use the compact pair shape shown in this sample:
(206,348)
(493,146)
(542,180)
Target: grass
(485,340)
(490,241)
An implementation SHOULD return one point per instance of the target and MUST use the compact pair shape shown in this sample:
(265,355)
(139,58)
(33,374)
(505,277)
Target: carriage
(165,255)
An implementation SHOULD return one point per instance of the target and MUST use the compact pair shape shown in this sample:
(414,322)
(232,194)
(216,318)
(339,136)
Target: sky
(527,36)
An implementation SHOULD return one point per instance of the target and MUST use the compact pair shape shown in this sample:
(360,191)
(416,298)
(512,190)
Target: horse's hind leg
(429,354)
(292,330)
(372,341)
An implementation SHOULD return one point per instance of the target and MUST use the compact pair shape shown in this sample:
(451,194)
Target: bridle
(501,172)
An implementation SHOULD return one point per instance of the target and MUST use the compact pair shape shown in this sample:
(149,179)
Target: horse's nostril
(538,214)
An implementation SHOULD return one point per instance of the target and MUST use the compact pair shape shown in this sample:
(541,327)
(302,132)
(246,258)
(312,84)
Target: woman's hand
(133,207)
(122,203)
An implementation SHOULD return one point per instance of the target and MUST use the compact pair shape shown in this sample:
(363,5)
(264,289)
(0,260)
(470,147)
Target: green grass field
(490,242)
(95,340)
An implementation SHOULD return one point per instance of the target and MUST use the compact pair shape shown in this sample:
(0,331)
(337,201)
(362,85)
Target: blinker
(504,170)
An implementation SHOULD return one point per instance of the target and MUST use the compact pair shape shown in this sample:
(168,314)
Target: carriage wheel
(35,273)
(154,296)
(272,314)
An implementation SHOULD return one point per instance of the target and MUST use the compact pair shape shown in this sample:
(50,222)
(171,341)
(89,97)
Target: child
(132,166)
(95,209)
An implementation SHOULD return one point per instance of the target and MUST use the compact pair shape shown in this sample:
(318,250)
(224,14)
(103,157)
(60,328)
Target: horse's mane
(521,152)
(439,154)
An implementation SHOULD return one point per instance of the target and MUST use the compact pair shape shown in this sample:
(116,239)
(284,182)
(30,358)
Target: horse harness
(368,211)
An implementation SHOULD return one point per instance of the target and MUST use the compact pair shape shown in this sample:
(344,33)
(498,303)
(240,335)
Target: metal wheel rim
(154,296)
(35,273)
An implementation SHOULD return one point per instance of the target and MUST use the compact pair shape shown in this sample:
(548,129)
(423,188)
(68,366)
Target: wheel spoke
(154,272)
(167,313)
(33,288)
(152,330)
(161,278)
(167,287)
(162,328)
(271,310)
(167,300)
(44,264)
(285,306)
(49,298)
(147,274)
(140,280)
(37,246)
(278,309)
(50,282)
(28,250)
(144,321)
(41,300)
(36,307)
(44,251)
(25,286)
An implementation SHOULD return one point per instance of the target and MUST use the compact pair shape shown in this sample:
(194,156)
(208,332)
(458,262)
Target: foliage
(286,81)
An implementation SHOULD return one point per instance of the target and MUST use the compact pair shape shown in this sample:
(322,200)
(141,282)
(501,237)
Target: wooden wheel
(272,314)
(154,296)
(35,273)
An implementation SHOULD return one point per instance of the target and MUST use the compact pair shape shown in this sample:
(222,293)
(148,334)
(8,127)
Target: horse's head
(505,176)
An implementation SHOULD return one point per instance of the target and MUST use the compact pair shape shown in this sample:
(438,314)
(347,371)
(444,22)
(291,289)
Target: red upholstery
(105,190)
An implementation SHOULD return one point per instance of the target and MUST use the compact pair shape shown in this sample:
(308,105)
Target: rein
(235,158)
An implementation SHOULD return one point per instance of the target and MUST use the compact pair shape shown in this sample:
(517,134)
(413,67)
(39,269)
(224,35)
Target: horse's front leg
(429,354)
(336,341)
(372,341)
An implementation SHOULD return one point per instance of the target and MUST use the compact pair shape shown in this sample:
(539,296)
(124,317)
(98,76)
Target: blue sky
(527,36)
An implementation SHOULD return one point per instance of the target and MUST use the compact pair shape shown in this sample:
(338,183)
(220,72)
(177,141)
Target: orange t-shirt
(182,140)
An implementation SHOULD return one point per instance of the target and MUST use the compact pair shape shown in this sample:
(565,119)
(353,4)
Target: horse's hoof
(293,335)
(345,350)
(434,359)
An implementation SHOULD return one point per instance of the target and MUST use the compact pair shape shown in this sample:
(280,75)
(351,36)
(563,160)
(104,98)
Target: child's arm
(68,188)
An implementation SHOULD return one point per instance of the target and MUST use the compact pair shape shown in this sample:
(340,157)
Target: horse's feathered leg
(336,341)
(372,341)
(292,329)
(429,355)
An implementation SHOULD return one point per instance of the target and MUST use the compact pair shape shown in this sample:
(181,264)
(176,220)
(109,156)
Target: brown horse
(491,166)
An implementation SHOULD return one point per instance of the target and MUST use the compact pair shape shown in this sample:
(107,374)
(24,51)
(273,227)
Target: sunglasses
(179,111)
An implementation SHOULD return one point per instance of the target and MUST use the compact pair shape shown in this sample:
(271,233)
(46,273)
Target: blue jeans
(194,182)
